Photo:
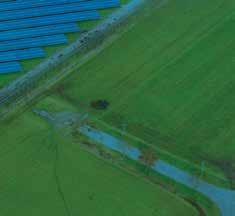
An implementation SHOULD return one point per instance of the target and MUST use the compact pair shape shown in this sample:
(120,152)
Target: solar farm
(28,26)
(117,107)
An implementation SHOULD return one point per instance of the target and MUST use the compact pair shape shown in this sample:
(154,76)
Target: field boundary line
(177,158)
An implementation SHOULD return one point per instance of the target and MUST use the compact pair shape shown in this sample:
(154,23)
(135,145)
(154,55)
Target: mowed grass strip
(171,79)
(43,173)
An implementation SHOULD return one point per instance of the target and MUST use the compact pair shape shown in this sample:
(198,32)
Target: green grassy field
(170,78)
(42,173)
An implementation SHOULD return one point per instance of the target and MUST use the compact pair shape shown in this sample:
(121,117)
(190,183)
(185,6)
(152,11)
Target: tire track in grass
(57,177)
(27,157)
(189,46)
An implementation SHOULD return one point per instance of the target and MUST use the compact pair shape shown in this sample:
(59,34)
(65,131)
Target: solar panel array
(26,26)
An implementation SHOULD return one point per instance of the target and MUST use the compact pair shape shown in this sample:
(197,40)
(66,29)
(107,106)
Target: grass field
(44,174)
(174,86)
(169,79)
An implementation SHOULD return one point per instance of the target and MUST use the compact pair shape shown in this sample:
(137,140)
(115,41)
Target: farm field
(42,173)
(174,87)
(169,83)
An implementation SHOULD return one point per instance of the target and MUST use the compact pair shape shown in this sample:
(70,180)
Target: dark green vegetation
(171,80)
(44,173)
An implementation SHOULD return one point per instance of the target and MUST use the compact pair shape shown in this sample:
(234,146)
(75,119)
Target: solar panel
(21,54)
(22,4)
(9,67)
(38,31)
(25,26)
(48,20)
(32,42)
(58,9)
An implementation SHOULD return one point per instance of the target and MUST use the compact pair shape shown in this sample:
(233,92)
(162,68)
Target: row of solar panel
(49,20)
(21,4)
(13,56)
(58,9)
(33,42)
(38,31)
(9,67)
(21,54)
(7,59)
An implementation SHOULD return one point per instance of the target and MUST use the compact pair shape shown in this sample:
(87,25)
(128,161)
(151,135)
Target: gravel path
(224,198)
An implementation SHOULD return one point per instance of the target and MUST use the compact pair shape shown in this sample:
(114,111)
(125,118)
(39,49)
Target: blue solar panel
(38,31)
(9,67)
(32,42)
(57,9)
(27,25)
(49,20)
(22,4)
(21,54)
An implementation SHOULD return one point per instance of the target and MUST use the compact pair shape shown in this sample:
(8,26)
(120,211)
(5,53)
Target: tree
(100,104)
(148,157)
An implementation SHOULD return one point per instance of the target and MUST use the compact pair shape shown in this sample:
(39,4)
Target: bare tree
(148,157)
